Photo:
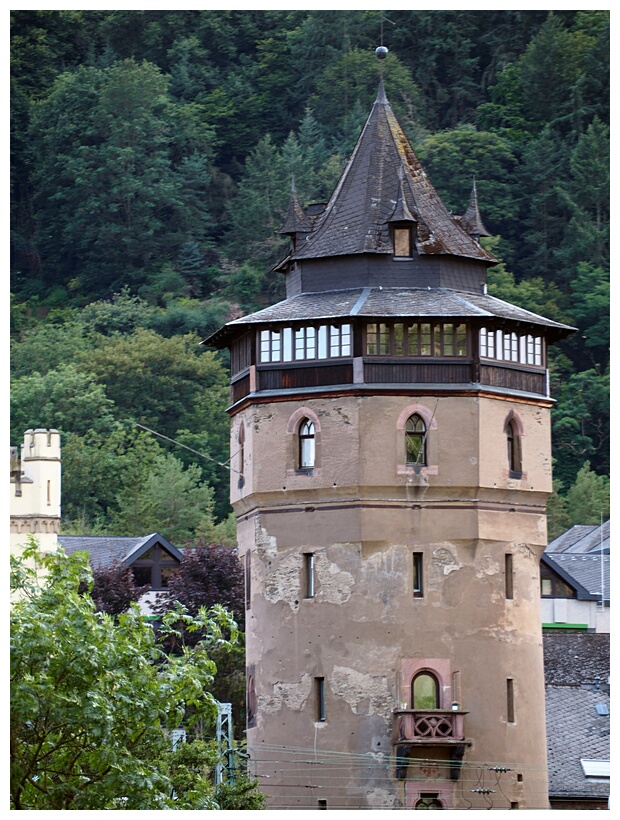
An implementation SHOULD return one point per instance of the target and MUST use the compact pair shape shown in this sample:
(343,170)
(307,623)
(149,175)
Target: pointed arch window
(415,440)
(307,450)
(425,691)
(513,442)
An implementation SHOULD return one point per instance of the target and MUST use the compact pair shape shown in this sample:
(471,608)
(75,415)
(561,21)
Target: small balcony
(434,726)
(437,728)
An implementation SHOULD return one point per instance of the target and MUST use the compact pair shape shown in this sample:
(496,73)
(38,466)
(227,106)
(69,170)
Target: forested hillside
(151,160)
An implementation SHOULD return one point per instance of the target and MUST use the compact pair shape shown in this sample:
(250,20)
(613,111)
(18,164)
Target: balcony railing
(434,726)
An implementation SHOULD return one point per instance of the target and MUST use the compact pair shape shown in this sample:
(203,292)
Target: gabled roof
(104,550)
(356,218)
(582,538)
(582,573)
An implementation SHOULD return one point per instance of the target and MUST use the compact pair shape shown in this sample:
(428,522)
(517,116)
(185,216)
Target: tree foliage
(94,697)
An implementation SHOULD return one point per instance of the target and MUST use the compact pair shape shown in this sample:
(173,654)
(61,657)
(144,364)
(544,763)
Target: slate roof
(471,219)
(576,659)
(585,569)
(104,551)
(388,302)
(582,538)
(356,218)
(573,663)
(575,731)
(296,219)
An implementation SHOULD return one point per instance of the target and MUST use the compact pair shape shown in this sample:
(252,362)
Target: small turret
(297,224)
(471,221)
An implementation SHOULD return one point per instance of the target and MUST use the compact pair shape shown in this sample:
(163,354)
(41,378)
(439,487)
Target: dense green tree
(586,237)
(64,398)
(581,425)
(93,698)
(98,470)
(110,203)
(454,158)
(171,500)
(588,500)
(157,381)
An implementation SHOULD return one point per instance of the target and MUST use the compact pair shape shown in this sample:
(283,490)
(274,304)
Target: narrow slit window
(309,574)
(49,493)
(418,578)
(510,700)
(319,684)
(513,441)
(508,576)
(248,579)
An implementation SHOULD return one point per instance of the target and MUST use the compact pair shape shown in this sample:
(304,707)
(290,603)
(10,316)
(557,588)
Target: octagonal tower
(391,461)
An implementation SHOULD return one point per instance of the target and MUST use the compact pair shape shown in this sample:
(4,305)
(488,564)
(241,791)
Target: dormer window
(402,243)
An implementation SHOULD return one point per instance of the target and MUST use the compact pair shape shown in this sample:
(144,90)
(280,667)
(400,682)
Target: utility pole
(224,738)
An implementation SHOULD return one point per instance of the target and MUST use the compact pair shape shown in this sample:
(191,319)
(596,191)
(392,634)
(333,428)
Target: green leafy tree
(64,398)
(98,470)
(171,500)
(93,698)
(156,381)
(453,158)
(581,424)
(588,500)
(111,200)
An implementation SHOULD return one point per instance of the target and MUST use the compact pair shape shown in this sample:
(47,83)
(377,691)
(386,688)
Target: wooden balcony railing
(434,726)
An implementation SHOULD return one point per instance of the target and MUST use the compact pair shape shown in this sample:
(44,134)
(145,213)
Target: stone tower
(391,462)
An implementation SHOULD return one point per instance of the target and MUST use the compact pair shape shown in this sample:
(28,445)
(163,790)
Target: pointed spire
(296,219)
(381,97)
(384,180)
(471,221)
(401,212)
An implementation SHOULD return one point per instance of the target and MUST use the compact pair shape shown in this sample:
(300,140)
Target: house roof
(388,302)
(577,668)
(582,538)
(382,166)
(575,731)
(104,550)
(576,659)
(582,571)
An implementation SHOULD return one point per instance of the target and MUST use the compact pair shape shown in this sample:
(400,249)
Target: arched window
(425,691)
(415,440)
(513,441)
(306,444)
(429,801)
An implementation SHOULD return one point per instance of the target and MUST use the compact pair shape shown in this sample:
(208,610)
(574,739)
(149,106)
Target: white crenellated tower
(35,489)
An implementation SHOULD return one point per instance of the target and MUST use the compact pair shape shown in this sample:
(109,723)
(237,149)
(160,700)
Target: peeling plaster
(487,567)
(382,799)
(283,584)
(266,545)
(291,695)
(445,560)
(365,694)
(335,584)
